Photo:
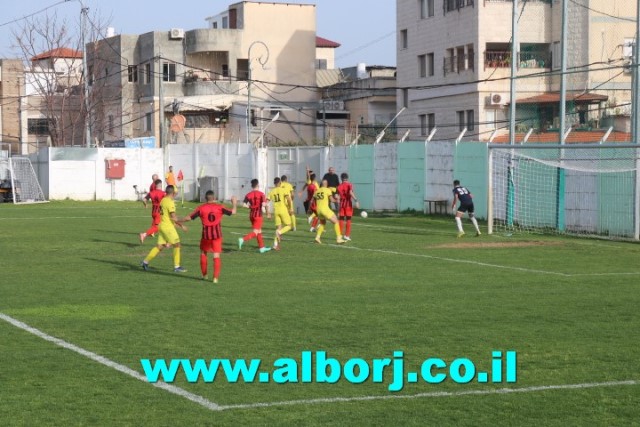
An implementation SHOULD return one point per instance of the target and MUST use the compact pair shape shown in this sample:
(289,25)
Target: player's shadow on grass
(128,266)
(132,244)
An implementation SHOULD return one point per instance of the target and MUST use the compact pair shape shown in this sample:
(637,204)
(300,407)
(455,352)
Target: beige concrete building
(12,90)
(454,60)
(203,74)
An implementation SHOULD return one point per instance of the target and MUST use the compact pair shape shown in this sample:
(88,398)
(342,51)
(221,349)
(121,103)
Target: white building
(454,60)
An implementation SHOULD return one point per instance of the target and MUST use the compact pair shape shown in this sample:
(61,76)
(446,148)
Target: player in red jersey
(155,196)
(255,201)
(310,204)
(211,214)
(153,185)
(347,197)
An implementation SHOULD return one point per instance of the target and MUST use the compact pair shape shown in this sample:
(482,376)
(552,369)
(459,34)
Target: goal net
(24,185)
(573,189)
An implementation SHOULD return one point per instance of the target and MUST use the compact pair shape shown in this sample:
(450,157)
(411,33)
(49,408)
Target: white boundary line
(111,364)
(432,394)
(208,404)
(484,264)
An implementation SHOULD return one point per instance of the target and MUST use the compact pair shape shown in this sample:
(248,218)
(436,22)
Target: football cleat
(347,238)
(312,230)
(179,270)
(264,250)
(340,241)
(460,234)
(478,234)
(215,280)
(317,240)
(145,266)
(240,243)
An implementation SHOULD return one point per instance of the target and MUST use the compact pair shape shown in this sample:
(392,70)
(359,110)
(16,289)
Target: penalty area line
(460,261)
(434,394)
(212,406)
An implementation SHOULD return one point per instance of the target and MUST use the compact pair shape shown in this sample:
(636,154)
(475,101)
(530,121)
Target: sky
(366,33)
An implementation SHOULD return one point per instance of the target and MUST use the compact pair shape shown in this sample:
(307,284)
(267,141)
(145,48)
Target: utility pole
(161,100)
(514,70)
(249,80)
(85,73)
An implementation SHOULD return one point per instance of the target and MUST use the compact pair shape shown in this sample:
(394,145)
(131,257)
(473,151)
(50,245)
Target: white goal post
(19,177)
(578,189)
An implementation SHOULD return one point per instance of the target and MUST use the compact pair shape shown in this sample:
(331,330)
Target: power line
(34,13)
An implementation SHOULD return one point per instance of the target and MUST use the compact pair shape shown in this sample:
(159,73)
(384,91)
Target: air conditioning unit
(496,99)
(176,34)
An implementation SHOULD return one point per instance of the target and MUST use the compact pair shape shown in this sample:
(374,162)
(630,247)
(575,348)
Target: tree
(52,51)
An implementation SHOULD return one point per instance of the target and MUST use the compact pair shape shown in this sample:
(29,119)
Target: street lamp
(381,134)
(262,60)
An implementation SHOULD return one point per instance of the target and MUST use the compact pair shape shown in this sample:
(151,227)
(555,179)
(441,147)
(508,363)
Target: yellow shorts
(168,235)
(325,214)
(282,218)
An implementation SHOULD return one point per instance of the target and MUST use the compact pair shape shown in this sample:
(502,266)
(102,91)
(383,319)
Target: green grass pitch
(569,307)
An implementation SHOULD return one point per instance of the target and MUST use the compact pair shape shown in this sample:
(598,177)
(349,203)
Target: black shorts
(466,207)
(306,204)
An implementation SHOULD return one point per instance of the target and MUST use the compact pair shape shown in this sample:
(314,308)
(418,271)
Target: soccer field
(78,313)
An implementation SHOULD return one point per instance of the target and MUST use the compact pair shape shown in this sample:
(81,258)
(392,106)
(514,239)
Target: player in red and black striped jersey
(153,185)
(155,196)
(211,214)
(311,186)
(347,197)
(255,201)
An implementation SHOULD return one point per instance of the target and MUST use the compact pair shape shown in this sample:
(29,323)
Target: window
(147,73)
(431,122)
(111,123)
(38,126)
(470,120)
(460,58)
(405,98)
(556,56)
(168,72)
(404,40)
(422,65)
(90,70)
(132,72)
(461,117)
(425,8)
(225,70)
(214,25)
(471,57)
(146,124)
(430,65)
(423,124)
(490,118)
(206,119)
(321,64)
(225,22)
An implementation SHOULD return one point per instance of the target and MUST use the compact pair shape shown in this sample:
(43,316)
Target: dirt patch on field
(492,245)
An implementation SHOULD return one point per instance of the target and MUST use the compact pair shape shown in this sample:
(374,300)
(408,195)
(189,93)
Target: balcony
(200,83)
(459,63)
(502,59)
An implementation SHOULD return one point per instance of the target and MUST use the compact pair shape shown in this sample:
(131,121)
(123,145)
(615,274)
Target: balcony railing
(459,63)
(502,59)
(452,5)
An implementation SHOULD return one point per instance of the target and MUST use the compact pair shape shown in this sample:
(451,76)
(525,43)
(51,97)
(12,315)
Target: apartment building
(454,64)
(203,76)
(11,93)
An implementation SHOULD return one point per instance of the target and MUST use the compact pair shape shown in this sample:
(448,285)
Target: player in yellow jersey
(167,233)
(284,183)
(282,210)
(323,196)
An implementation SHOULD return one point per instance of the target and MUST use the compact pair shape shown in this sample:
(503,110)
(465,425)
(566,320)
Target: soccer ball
(364,214)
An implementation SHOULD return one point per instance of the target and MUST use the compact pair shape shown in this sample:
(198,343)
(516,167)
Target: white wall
(386,177)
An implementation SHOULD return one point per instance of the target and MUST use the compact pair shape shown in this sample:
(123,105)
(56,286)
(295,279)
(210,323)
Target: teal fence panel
(411,176)
(471,168)
(361,174)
